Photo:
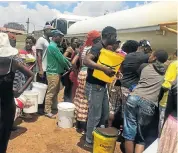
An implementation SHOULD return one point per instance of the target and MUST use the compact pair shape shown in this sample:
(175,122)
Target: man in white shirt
(41,50)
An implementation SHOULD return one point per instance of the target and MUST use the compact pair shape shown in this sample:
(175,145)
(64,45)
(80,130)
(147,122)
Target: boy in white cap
(41,52)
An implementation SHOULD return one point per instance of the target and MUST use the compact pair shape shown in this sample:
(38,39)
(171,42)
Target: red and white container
(20,101)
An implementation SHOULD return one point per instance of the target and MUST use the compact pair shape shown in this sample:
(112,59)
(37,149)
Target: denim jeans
(98,103)
(138,115)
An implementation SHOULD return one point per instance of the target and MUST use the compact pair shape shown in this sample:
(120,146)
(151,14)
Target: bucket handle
(112,67)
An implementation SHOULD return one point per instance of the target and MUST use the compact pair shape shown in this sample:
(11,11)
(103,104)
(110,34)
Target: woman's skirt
(169,137)
(73,77)
(116,105)
(115,98)
(124,95)
(80,101)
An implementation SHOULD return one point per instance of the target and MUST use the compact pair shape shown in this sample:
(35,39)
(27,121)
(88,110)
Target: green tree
(15,26)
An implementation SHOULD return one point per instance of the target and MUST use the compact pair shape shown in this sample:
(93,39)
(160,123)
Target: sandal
(26,116)
(88,145)
(83,132)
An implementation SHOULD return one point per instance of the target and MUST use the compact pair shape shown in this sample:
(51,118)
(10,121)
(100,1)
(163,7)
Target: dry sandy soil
(42,135)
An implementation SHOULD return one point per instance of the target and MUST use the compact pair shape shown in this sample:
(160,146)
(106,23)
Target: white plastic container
(153,147)
(66,114)
(41,89)
(31,105)
(17,113)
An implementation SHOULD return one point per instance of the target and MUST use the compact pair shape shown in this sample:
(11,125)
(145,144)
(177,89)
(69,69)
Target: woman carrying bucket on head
(8,67)
(80,101)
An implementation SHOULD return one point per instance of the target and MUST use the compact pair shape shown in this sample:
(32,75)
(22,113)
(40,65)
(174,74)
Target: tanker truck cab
(64,22)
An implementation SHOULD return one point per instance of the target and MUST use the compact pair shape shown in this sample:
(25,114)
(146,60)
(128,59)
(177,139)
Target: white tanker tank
(156,21)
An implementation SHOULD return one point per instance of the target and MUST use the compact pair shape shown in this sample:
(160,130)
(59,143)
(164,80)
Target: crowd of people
(141,102)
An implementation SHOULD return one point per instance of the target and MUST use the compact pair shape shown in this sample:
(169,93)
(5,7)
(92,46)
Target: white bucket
(153,147)
(41,89)
(31,105)
(66,115)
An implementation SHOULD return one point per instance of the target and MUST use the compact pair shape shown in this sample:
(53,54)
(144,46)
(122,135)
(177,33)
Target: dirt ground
(42,135)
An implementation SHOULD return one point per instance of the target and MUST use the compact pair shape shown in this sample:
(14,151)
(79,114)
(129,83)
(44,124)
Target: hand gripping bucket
(105,140)
(109,59)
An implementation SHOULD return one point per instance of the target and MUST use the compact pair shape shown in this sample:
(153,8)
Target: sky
(41,11)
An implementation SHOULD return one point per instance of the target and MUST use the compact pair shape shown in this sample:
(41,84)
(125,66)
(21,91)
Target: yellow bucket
(109,59)
(105,140)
